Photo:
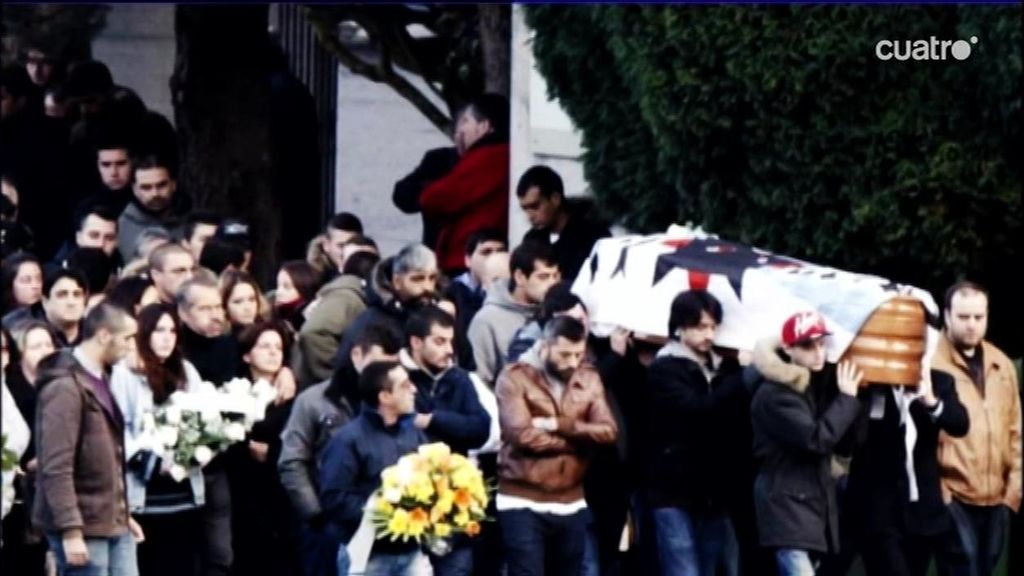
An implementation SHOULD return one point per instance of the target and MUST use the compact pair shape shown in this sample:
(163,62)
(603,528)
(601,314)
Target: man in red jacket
(474,195)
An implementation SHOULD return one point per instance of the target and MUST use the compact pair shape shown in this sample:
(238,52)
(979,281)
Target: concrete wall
(138,46)
(541,131)
(381,138)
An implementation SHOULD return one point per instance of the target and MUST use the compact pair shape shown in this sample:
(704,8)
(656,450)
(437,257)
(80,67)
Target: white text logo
(932,49)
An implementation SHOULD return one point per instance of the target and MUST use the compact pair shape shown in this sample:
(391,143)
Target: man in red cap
(800,413)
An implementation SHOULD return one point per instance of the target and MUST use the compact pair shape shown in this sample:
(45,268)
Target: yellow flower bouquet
(429,496)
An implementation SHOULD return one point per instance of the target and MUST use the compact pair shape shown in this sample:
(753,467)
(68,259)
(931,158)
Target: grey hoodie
(493,328)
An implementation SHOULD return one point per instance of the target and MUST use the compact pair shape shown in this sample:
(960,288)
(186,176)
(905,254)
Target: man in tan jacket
(981,472)
(552,408)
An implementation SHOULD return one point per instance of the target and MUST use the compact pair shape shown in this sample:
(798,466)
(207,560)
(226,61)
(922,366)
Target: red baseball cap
(803,327)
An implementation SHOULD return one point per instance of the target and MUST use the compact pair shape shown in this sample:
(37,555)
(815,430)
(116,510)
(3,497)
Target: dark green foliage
(779,127)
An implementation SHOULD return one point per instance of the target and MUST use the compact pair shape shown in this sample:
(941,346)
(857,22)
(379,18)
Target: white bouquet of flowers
(193,427)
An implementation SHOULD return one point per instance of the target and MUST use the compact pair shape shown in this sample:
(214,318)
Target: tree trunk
(221,92)
(496,45)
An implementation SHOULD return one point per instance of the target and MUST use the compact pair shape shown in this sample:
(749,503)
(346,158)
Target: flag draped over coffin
(630,281)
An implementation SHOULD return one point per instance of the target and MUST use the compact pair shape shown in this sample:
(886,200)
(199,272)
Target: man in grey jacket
(509,306)
(317,413)
(156,203)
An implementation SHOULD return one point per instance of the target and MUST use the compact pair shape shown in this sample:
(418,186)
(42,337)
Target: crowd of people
(611,455)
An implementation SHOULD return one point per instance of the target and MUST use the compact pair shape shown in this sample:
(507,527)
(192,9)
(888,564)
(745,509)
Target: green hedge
(779,127)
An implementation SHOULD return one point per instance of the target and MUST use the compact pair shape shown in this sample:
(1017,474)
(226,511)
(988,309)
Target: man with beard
(155,203)
(701,433)
(447,407)
(981,472)
(399,285)
(553,412)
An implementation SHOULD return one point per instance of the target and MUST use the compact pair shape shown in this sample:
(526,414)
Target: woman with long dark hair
(264,524)
(167,510)
(297,284)
(22,281)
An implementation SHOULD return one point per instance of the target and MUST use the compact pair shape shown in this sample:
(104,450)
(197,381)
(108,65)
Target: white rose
(237,386)
(393,495)
(210,417)
(234,431)
(203,454)
(168,435)
(206,387)
(172,414)
(178,472)
(264,391)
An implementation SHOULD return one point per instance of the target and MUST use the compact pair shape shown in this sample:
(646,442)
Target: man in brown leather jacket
(552,408)
(981,472)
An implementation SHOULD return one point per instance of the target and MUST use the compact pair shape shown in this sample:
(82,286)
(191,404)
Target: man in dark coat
(436,164)
(797,430)
(700,435)
(556,221)
(354,458)
(893,510)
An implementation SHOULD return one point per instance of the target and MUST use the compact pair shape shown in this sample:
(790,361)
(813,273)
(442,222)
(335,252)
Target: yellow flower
(442,530)
(384,506)
(463,498)
(473,528)
(399,523)
(418,521)
(465,476)
(389,477)
(421,490)
(437,453)
(458,461)
(462,518)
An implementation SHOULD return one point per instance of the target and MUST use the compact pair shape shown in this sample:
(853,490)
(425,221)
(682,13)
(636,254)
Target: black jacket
(459,420)
(877,497)
(576,240)
(435,164)
(799,420)
(699,434)
(467,303)
(351,465)
(216,359)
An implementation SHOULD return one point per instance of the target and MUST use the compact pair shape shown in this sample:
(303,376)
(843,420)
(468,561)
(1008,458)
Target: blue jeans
(975,541)
(591,556)
(390,564)
(793,562)
(457,562)
(342,560)
(107,556)
(695,545)
(538,544)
